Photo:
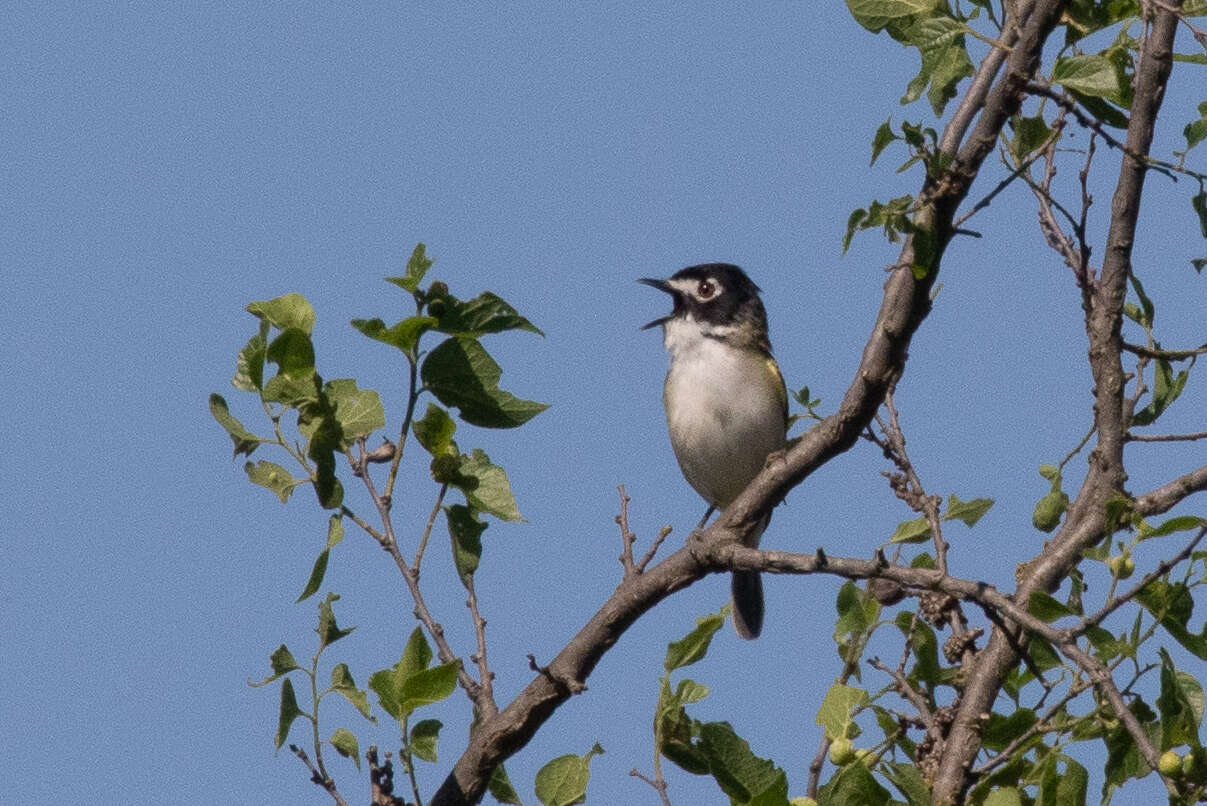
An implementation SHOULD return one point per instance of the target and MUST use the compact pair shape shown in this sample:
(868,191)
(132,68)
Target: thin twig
(1166,437)
(323,781)
(662,535)
(626,535)
(427,529)
(659,785)
(486,697)
(1168,355)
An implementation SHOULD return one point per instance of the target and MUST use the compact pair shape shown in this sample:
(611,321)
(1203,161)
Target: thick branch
(1086,521)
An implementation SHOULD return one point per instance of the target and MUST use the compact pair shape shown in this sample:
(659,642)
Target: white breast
(723,411)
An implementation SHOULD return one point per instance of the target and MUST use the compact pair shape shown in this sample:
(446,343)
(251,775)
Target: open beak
(661,285)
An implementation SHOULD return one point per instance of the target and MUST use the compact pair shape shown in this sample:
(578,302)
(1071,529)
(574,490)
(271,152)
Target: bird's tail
(747,587)
(747,592)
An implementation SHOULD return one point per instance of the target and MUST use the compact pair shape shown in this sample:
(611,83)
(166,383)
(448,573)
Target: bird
(725,398)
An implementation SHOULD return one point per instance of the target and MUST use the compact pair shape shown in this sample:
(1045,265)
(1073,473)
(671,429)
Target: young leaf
(485,313)
(435,431)
(465,529)
(884,136)
(740,773)
(500,788)
(1090,74)
(282,663)
(835,712)
(289,712)
(1046,607)
(693,646)
(1180,705)
(328,631)
(967,511)
(344,742)
(335,533)
(358,412)
(404,335)
(424,737)
(245,441)
(486,487)
(563,781)
(911,531)
(249,367)
(417,266)
(429,686)
(461,374)
(389,684)
(273,477)
(1029,134)
(1181,523)
(288,311)
(345,686)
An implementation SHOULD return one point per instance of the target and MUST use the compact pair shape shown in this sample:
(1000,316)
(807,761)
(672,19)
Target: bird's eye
(706,289)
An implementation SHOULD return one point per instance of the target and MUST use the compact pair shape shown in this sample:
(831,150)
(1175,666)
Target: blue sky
(162,167)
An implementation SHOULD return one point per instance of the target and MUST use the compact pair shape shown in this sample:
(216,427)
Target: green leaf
(328,631)
(1180,705)
(465,529)
(500,788)
(335,533)
(1090,74)
(289,712)
(1199,203)
(909,781)
(424,737)
(389,683)
(1046,607)
(740,773)
(678,735)
(925,647)
(693,646)
(344,742)
(1172,605)
(429,686)
(1166,389)
(485,485)
(273,477)
(1063,788)
(1006,796)
(1029,134)
(854,785)
(485,313)
(911,531)
(689,691)
(563,781)
(404,335)
(249,368)
(245,441)
(835,712)
(967,511)
(884,136)
(945,60)
(289,311)
(875,15)
(1001,730)
(417,267)
(282,661)
(461,374)
(358,411)
(1181,523)
(343,684)
(435,431)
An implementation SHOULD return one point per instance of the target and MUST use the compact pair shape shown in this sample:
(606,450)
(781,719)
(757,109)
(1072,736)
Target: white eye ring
(706,289)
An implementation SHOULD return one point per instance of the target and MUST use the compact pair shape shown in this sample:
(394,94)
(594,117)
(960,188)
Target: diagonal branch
(905,305)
